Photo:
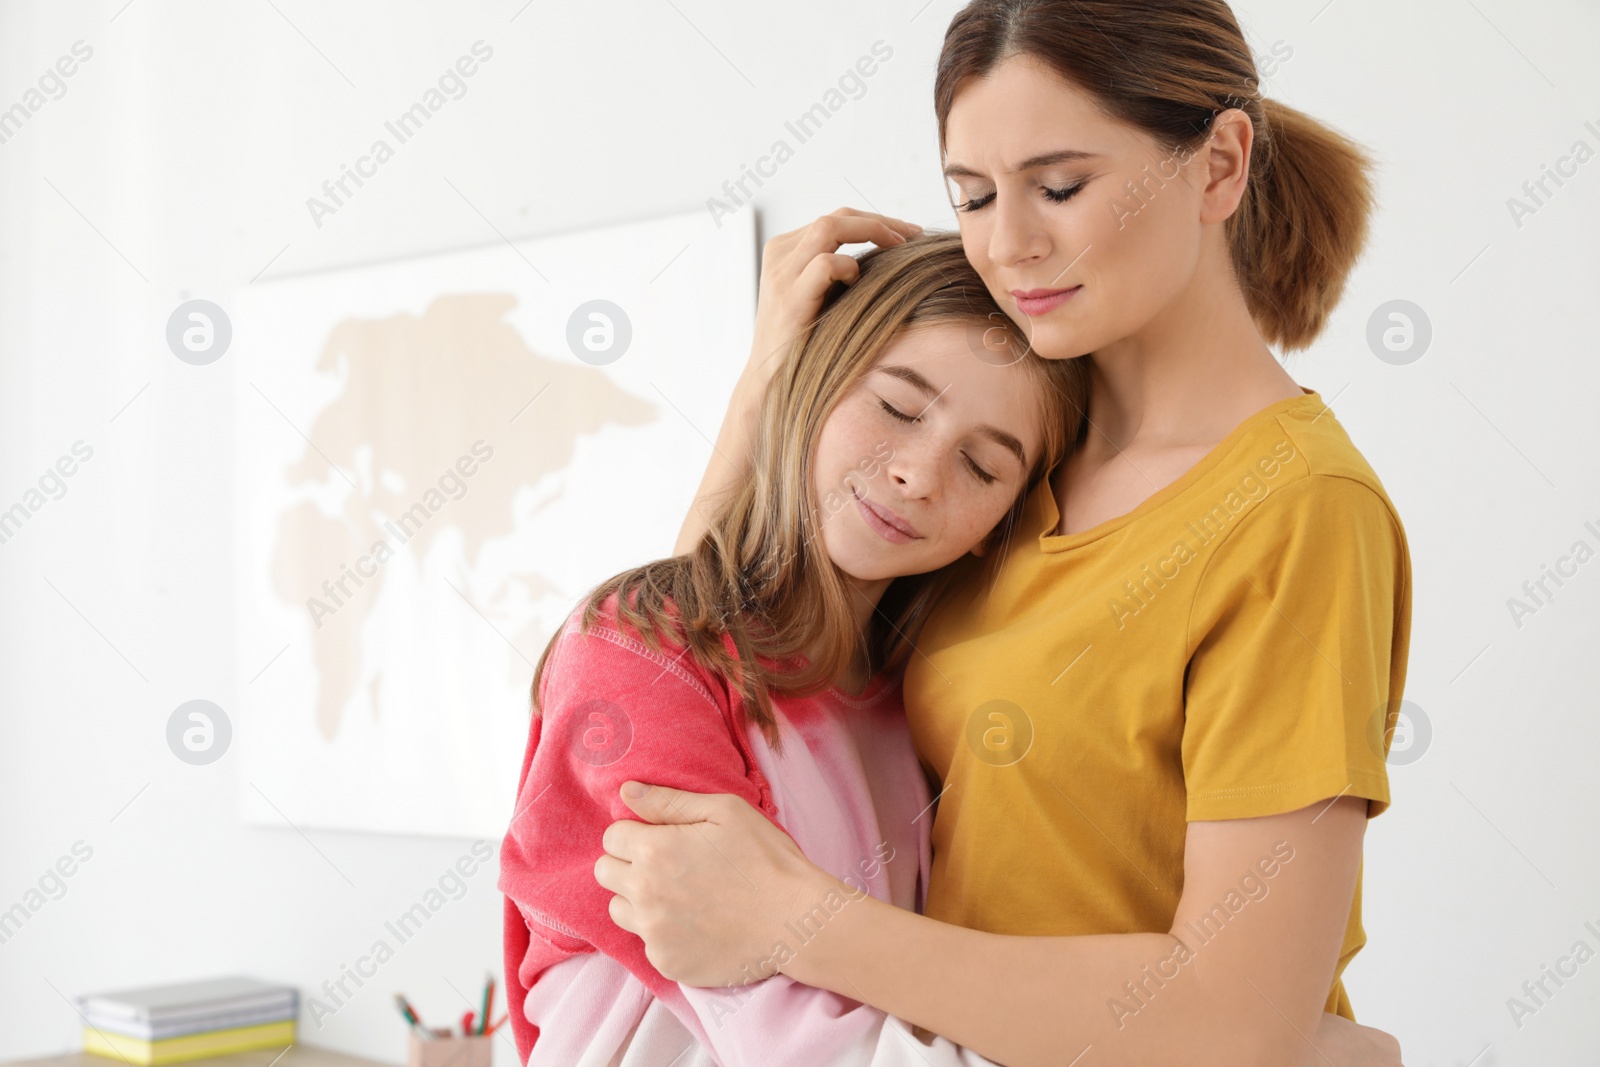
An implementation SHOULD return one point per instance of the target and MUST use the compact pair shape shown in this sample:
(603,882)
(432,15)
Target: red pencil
(496,1026)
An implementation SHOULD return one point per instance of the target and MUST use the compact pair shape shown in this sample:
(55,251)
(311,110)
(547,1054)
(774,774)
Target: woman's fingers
(664,804)
(622,838)
(705,897)
(793,306)
(908,228)
(845,226)
(622,914)
(612,874)
(789,253)
(797,270)
(827,268)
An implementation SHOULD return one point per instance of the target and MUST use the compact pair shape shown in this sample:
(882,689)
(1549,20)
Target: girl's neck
(864,596)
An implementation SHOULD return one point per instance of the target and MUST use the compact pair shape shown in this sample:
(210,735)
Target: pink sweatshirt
(847,788)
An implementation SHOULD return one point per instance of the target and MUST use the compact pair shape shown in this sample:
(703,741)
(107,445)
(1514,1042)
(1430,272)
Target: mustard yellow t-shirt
(1235,646)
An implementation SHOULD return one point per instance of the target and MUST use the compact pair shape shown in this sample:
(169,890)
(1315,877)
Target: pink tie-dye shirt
(847,787)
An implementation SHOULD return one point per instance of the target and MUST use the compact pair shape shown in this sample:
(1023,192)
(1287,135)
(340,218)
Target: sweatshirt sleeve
(597,1012)
(778,1022)
(610,709)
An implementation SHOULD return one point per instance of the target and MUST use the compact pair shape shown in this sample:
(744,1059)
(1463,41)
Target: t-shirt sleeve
(611,709)
(1298,639)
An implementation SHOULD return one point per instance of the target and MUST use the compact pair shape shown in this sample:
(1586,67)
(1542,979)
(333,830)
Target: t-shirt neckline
(874,689)
(876,685)
(1051,515)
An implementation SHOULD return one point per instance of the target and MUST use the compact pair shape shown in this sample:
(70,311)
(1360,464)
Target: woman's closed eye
(977,472)
(1057,196)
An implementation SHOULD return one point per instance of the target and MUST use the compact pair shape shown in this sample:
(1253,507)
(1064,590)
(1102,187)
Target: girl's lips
(1036,302)
(884,522)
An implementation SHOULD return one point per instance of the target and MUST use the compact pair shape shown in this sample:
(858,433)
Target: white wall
(177,165)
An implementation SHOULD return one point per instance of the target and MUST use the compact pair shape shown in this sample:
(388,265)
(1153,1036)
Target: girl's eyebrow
(1048,159)
(1005,440)
(913,378)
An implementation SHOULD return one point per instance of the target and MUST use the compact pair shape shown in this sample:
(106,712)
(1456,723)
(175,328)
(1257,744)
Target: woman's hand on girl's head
(798,268)
(710,888)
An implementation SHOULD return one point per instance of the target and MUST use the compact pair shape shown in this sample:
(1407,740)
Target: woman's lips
(884,522)
(1036,302)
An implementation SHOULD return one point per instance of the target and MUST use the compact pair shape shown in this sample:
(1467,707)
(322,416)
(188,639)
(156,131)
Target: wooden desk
(297,1056)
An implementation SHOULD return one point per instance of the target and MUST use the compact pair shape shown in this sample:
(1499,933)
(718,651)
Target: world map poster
(436,459)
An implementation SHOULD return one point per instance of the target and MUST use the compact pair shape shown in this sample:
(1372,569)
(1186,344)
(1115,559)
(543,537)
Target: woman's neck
(1192,374)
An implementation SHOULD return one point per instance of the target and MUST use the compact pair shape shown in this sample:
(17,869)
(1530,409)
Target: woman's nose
(1016,236)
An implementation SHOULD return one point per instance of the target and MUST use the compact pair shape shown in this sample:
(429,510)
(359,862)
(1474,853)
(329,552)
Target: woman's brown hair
(760,577)
(1168,67)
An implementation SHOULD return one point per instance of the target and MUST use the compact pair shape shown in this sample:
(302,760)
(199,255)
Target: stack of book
(166,1024)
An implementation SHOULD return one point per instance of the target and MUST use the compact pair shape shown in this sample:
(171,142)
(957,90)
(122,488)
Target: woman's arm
(1238,980)
(1221,987)
(797,269)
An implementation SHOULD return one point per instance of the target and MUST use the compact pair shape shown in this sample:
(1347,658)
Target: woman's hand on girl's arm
(797,269)
(724,889)
(709,888)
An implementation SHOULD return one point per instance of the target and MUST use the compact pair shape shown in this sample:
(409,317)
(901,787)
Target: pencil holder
(449,1051)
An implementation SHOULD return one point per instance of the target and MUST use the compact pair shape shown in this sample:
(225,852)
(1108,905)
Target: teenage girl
(900,433)
(1192,654)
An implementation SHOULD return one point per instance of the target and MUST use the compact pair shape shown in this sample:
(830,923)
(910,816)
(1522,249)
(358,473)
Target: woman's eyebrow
(911,377)
(1048,159)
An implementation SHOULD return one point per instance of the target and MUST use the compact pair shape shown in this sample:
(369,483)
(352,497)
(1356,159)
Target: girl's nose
(913,471)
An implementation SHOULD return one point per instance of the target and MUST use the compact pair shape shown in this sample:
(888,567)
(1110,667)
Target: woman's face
(1040,180)
(924,456)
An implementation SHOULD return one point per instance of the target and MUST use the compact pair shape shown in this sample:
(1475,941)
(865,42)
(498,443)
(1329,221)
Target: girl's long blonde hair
(758,588)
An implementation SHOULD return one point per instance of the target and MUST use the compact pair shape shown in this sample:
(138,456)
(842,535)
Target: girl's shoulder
(601,639)
(614,706)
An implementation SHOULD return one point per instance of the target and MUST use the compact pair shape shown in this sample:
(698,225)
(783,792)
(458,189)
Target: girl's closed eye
(972,465)
(978,472)
(896,412)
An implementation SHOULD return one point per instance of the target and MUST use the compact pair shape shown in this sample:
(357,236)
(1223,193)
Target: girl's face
(924,456)
(1039,178)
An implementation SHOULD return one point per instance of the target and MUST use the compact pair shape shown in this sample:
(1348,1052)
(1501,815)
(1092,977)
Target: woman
(1161,728)
(766,664)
